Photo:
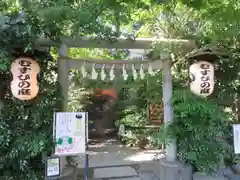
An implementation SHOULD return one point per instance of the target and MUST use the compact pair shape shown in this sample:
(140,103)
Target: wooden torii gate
(66,63)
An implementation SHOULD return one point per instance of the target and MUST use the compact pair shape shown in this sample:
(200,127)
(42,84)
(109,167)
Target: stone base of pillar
(203,176)
(175,171)
(166,170)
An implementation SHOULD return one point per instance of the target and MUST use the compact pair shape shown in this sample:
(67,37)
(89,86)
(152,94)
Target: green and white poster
(70,133)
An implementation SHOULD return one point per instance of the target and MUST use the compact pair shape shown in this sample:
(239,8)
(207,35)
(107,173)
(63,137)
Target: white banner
(70,134)
(236,138)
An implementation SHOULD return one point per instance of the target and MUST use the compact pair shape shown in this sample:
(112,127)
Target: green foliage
(132,107)
(133,116)
(82,18)
(26,127)
(135,96)
(208,23)
(78,95)
(199,125)
(214,24)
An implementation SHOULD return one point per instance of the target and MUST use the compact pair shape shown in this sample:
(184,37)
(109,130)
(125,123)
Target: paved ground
(115,172)
(111,153)
(109,159)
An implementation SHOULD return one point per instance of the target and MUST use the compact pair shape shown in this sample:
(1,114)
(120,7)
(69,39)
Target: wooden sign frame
(153,119)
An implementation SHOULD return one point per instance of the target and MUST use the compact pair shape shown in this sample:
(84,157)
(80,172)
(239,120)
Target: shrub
(26,127)
(200,127)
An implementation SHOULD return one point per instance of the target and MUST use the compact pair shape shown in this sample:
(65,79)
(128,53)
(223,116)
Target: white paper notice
(53,167)
(70,133)
(236,138)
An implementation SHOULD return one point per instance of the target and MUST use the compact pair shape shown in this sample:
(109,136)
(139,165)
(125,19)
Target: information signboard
(70,133)
(236,138)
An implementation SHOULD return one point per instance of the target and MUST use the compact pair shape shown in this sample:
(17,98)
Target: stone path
(110,160)
(126,172)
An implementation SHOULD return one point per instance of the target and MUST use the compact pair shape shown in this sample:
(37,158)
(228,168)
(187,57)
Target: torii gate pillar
(171,149)
(66,172)
(170,168)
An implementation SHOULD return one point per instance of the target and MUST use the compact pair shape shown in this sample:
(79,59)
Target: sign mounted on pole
(70,133)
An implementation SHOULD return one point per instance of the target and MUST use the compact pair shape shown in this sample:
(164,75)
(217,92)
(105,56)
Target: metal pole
(171,149)
(86,164)
(86,153)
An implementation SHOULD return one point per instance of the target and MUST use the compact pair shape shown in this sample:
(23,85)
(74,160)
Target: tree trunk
(2,93)
(99,126)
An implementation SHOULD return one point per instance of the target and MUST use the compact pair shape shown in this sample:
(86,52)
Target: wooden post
(171,150)
(63,80)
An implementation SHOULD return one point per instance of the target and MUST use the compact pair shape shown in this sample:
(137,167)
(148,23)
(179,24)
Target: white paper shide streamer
(111,73)
(94,72)
(134,72)
(150,70)
(141,72)
(103,73)
(83,70)
(124,73)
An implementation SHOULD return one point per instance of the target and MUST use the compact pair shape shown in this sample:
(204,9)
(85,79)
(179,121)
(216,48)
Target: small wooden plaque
(155,113)
(52,167)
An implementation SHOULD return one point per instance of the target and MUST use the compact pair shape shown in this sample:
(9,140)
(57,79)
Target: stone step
(122,178)
(202,176)
(114,172)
